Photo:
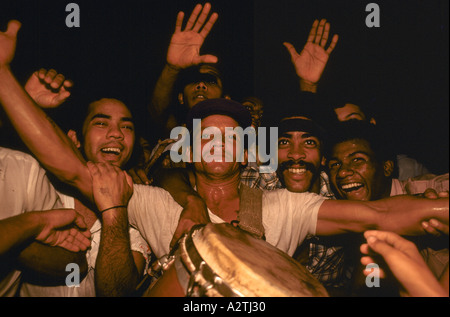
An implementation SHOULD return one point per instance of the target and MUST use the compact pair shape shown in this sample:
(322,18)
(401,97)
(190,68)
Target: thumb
(13,28)
(380,247)
(209,59)
(291,49)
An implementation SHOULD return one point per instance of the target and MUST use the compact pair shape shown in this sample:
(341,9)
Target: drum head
(251,266)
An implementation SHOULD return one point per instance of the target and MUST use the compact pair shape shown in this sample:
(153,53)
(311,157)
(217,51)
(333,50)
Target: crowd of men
(111,202)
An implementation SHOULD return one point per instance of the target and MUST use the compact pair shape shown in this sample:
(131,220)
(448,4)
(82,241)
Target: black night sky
(119,50)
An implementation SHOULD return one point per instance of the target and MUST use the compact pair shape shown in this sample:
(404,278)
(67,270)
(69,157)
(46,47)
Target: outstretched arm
(183,52)
(310,63)
(43,137)
(401,214)
(59,227)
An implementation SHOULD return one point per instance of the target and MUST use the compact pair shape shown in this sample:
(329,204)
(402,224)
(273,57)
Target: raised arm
(183,52)
(400,214)
(310,63)
(43,137)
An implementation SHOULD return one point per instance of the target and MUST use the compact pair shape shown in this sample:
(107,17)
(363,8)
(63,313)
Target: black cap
(301,124)
(220,106)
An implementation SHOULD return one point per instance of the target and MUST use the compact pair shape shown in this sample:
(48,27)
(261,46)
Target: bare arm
(400,214)
(183,52)
(116,272)
(44,138)
(62,237)
(176,182)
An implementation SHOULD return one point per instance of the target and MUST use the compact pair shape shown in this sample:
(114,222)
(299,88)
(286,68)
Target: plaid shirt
(325,263)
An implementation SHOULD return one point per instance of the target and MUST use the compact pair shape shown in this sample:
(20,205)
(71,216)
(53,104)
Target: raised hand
(48,88)
(111,186)
(8,42)
(311,61)
(64,228)
(184,48)
(404,261)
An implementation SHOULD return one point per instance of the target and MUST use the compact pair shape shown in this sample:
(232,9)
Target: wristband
(120,206)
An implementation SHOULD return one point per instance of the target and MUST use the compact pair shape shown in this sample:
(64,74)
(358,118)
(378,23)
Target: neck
(221,195)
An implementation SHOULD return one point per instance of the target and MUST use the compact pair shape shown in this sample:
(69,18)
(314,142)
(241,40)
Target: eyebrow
(352,154)
(105,116)
(303,136)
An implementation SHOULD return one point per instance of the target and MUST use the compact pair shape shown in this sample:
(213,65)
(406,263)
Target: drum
(222,260)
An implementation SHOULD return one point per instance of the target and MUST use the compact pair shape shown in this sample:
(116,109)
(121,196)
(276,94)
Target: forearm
(162,94)
(41,135)
(400,214)
(115,273)
(405,214)
(176,182)
(15,231)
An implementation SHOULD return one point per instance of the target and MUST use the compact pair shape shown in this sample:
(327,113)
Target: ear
(323,162)
(373,121)
(181,98)
(73,136)
(227,97)
(388,168)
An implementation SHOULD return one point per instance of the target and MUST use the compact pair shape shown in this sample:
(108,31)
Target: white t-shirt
(24,187)
(87,285)
(287,217)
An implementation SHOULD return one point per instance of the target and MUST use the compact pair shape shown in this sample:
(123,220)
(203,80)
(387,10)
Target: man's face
(256,110)
(349,112)
(354,172)
(224,164)
(299,160)
(108,132)
(206,86)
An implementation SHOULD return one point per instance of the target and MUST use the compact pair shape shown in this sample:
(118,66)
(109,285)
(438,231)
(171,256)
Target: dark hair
(361,130)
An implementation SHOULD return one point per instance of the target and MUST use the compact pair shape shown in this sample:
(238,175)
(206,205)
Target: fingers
(202,18)
(320,30)
(435,227)
(319,34)
(193,16)
(312,33)
(197,20)
(333,43)
(13,28)
(53,79)
(208,26)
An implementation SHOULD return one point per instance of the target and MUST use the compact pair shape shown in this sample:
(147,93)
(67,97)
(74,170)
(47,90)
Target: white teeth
(297,170)
(351,185)
(111,149)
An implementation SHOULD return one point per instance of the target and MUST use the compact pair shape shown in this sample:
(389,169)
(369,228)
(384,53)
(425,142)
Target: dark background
(120,48)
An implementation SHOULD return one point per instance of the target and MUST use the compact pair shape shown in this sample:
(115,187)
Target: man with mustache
(287,217)
(301,169)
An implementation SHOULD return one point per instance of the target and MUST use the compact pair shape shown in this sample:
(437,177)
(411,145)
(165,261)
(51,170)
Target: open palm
(311,62)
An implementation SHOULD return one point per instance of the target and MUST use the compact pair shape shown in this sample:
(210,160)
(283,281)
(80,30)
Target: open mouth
(351,187)
(111,150)
(297,170)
